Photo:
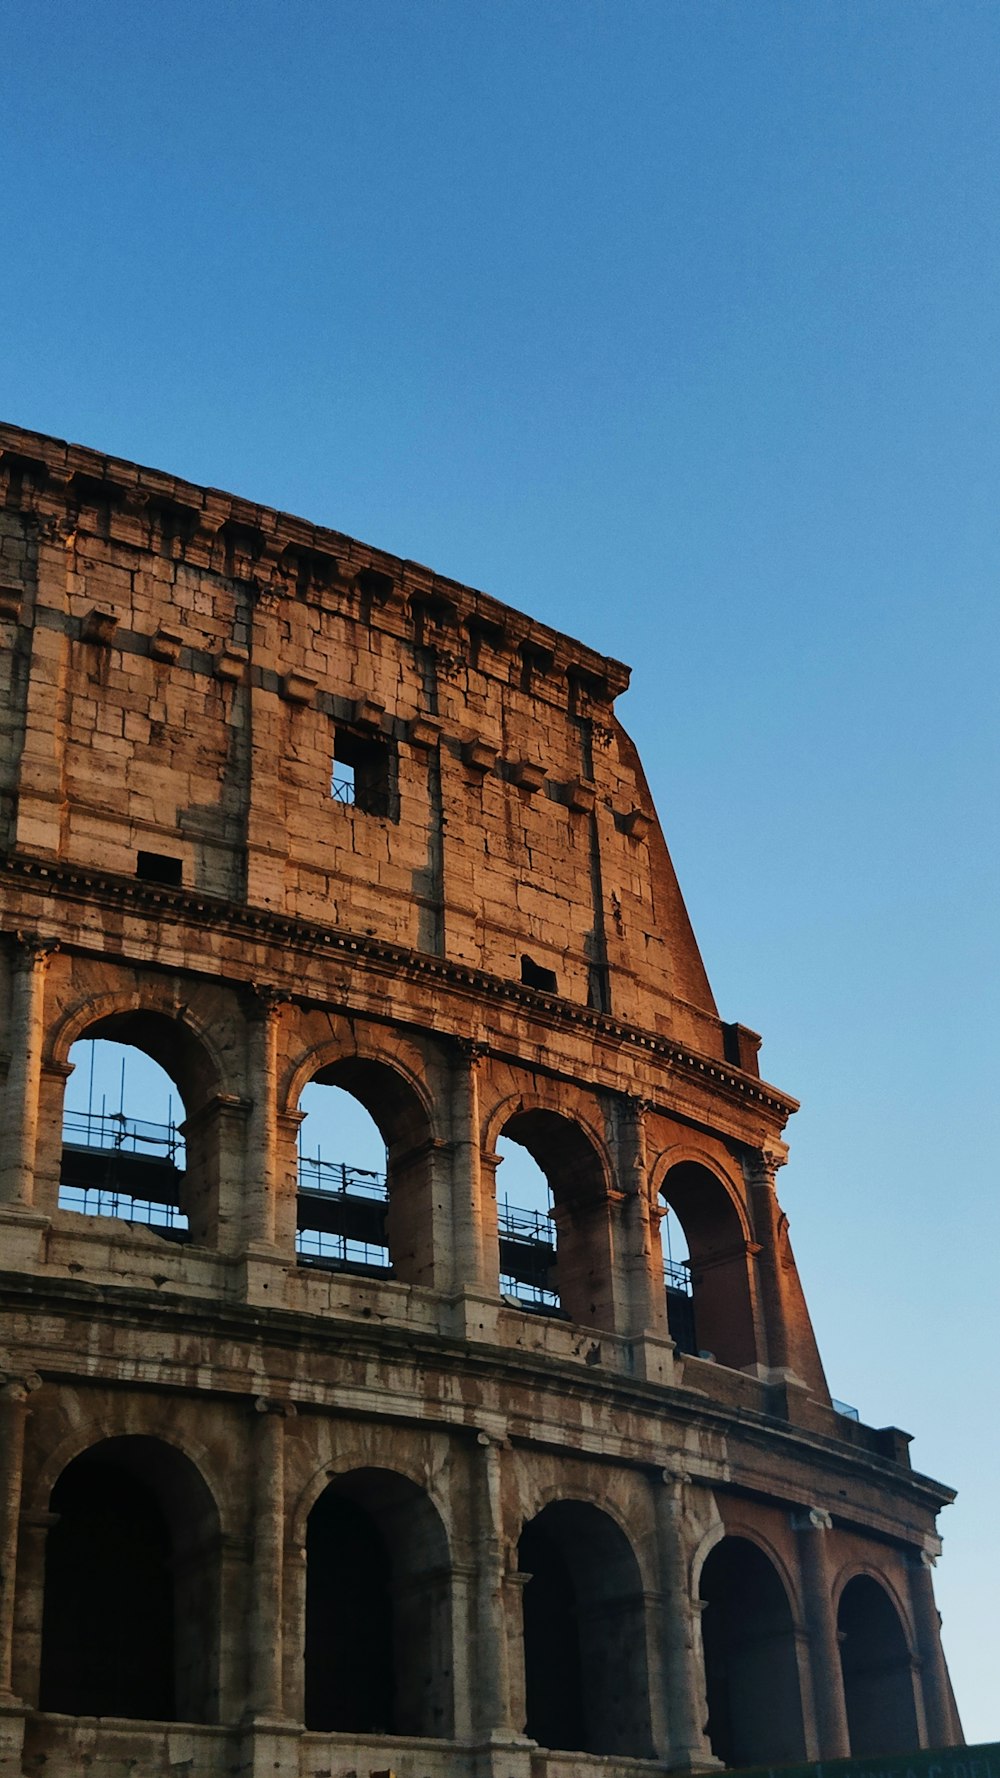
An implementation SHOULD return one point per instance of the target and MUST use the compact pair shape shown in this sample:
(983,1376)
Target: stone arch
(151,1019)
(132,1593)
(356,1456)
(738,1527)
(585,1664)
(851,1570)
(123,1176)
(713,1216)
(568,1107)
(877,1664)
(574,1156)
(401,1221)
(749,1646)
(336,1053)
(378,1630)
(555,1492)
(124,1422)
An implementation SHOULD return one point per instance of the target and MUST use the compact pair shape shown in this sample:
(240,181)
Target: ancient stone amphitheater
(308,1470)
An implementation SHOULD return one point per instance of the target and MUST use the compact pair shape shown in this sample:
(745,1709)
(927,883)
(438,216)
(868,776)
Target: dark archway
(579,1270)
(586,1682)
(378,1610)
(751,1672)
(358,1219)
(131,1611)
(718,1316)
(878,1676)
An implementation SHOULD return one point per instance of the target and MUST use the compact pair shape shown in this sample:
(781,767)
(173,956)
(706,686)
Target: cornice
(184,908)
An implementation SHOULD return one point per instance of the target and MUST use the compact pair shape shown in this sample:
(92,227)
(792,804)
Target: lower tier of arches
(378,1584)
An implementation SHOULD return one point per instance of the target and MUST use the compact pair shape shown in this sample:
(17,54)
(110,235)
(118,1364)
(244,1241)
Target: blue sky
(677,325)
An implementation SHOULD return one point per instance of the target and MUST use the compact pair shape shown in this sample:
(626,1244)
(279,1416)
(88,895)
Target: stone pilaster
(643,1260)
(942,1729)
(812,1527)
(261,1192)
(683,1681)
(13,1414)
(19,1131)
(475,1258)
(771,1226)
(266,1623)
(492,1696)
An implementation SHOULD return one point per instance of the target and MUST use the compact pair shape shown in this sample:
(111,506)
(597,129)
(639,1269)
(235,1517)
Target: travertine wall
(179,671)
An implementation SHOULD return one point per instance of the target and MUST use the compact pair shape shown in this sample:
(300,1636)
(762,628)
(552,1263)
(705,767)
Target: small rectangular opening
(534,976)
(360,777)
(342,784)
(159,867)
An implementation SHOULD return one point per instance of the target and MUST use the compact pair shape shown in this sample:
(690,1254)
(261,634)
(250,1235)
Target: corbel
(166,644)
(368,713)
(298,688)
(10,603)
(231,662)
(479,755)
(424,732)
(581,795)
(99,627)
(637,824)
(528,775)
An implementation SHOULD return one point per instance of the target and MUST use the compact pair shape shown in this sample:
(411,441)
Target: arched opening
(132,1146)
(751,1672)
(526,1229)
(131,1611)
(878,1678)
(709,1306)
(586,1682)
(365,1187)
(558,1253)
(378,1610)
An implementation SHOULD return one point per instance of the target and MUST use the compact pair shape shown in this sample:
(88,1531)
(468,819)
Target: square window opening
(159,867)
(533,975)
(360,777)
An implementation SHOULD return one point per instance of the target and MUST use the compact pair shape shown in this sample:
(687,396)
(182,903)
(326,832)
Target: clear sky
(676,324)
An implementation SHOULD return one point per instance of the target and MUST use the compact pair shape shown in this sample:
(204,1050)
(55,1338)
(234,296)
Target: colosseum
(316,1470)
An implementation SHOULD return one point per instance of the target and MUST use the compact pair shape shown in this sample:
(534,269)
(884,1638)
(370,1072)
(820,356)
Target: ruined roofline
(268,543)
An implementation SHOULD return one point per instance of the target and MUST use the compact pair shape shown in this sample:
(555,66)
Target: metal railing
(138,1149)
(114,1132)
(530,1231)
(525,1225)
(315,1174)
(677,1275)
(95,1201)
(317,1247)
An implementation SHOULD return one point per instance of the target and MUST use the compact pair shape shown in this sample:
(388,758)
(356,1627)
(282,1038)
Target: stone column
(13,1414)
(475,1259)
(771,1224)
(683,1679)
(492,1700)
(19,1130)
(266,1618)
(934,1683)
(811,1527)
(261,1193)
(647,1305)
(33,1538)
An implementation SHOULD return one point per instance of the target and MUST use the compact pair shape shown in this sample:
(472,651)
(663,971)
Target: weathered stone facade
(388,1517)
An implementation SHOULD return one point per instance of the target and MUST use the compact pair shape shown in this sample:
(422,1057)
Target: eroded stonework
(277,807)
